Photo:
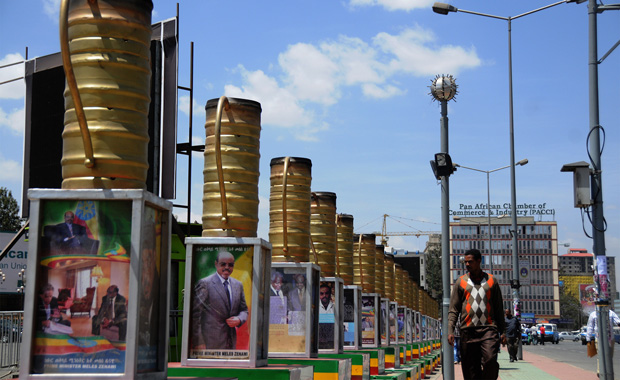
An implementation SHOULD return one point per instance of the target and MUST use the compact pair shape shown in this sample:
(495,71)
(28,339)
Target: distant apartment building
(538,258)
(577,272)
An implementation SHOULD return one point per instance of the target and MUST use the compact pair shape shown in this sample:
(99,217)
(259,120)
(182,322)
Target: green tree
(9,218)
(433,271)
(570,308)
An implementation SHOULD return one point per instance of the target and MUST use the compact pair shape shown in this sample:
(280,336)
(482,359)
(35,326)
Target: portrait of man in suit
(219,307)
(277,302)
(277,279)
(48,310)
(69,236)
(297,295)
(111,320)
(325,293)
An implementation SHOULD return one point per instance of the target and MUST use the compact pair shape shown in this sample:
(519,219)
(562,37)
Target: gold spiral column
(344,260)
(416,297)
(398,283)
(380,270)
(388,270)
(105,48)
(323,231)
(364,260)
(231,168)
(289,209)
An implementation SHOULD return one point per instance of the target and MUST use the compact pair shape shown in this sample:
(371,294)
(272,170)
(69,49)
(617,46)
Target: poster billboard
(221,302)
(80,323)
(587,298)
(13,262)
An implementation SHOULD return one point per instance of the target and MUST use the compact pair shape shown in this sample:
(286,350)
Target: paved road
(573,353)
(563,361)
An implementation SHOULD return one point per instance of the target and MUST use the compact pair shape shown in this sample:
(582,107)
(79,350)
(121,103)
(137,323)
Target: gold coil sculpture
(364,261)
(289,209)
(323,231)
(231,168)
(388,270)
(406,289)
(398,293)
(380,281)
(416,297)
(105,49)
(344,259)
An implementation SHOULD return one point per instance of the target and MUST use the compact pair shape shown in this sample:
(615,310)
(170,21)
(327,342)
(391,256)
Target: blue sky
(346,84)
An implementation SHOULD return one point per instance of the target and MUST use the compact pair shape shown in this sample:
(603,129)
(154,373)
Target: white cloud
(373,91)
(310,74)
(394,5)
(198,110)
(280,106)
(16,89)
(13,120)
(10,170)
(313,77)
(52,9)
(411,53)
(357,61)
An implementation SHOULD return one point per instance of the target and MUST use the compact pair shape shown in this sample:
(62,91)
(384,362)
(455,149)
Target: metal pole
(448,353)
(489,216)
(606,370)
(513,196)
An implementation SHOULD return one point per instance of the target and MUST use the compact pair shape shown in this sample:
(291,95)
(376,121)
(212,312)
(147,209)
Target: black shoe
(512,360)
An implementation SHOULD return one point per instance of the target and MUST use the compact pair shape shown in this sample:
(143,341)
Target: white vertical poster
(524,272)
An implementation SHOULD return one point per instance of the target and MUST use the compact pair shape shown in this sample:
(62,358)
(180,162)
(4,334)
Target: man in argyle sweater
(477,298)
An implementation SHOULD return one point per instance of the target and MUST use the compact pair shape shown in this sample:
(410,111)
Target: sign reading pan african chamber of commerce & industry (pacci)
(523,209)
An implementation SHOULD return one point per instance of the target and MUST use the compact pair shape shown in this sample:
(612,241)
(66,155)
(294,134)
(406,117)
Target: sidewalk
(534,367)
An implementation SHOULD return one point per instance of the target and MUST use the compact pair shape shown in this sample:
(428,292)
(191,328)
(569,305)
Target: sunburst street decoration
(443,87)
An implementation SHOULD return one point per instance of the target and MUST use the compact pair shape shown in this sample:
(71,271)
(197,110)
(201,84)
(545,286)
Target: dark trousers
(479,347)
(513,347)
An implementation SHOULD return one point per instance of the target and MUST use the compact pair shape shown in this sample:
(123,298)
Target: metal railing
(11,328)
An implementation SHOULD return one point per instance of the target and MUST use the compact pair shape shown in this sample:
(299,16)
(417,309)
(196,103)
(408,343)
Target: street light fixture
(443,89)
(444,9)
(488,172)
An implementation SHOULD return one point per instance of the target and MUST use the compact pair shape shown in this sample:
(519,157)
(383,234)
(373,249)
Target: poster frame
(357,317)
(139,200)
(312,273)
(258,315)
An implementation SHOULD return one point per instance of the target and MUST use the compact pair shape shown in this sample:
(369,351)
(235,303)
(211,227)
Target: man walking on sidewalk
(542,334)
(592,332)
(477,297)
(513,333)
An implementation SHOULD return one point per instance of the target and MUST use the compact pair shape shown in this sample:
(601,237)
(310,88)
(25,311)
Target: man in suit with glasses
(219,307)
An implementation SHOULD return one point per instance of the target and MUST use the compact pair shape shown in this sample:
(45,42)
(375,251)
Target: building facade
(538,257)
(577,272)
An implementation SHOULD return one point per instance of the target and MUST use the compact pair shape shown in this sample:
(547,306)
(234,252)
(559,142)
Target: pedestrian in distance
(457,342)
(542,334)
(477,297)
(513,334)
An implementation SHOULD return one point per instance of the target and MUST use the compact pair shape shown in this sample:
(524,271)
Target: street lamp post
(488,172)
(444,9)
(443,89)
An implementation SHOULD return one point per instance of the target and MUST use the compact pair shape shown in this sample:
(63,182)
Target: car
(551,332)
(565,335)
(568,335)
(582,334)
